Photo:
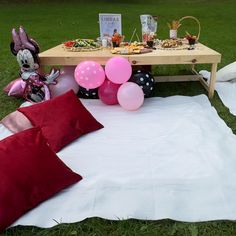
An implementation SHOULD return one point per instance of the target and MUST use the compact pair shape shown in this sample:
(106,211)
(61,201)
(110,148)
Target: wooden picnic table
(200,55)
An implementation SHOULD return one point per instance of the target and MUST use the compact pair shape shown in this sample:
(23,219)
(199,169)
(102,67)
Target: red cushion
(62,119)
(30,172)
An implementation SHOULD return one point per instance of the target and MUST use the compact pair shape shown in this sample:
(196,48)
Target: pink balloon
(107,92)
(130,96)
(89,74)
(68,70)
(118,70)
(15,88)
(8,87)
(65,82)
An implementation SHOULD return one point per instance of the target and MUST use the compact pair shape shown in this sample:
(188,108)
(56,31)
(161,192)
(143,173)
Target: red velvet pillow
(30,172)
(62,119)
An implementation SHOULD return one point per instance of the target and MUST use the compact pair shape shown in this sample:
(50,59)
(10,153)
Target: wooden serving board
(142,51)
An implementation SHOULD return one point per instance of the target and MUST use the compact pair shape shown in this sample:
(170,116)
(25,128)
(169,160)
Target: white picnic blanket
(226,90)
(227,93)
(173,158)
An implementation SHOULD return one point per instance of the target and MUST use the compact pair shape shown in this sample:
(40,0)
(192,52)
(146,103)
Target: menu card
(109,23)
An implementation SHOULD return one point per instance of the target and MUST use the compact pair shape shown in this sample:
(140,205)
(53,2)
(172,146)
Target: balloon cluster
(114,85)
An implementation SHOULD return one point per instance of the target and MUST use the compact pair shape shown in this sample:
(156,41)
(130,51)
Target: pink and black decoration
(88,93)
(115,83)
(34,85)
(145,80)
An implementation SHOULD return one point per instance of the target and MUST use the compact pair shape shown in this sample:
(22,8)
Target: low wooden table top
(200,55)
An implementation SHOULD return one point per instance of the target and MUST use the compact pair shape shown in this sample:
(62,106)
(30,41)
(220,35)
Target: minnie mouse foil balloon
(26,51)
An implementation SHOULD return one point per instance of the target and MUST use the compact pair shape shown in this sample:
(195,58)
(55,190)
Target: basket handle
(198,22)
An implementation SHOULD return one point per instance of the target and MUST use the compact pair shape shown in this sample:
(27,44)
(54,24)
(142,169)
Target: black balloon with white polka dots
(88,93)
(145,80)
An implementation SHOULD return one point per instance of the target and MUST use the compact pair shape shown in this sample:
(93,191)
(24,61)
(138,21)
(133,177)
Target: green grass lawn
(52,22)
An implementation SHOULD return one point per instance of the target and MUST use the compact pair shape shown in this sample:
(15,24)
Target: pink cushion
(16,122)
(30,172)
(62,119)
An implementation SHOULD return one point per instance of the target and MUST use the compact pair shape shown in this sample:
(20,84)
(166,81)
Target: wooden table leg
(212,80)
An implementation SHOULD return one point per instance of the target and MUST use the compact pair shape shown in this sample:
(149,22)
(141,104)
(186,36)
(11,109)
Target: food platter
(172,44)
(129,51)
(133,48)
(81,45)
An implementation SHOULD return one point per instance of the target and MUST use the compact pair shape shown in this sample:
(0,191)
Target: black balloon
(145,80)
(88,93)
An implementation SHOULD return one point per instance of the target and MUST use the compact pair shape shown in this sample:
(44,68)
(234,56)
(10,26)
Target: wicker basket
(196,20)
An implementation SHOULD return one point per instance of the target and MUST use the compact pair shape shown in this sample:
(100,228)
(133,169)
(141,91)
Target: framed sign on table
(109,23)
